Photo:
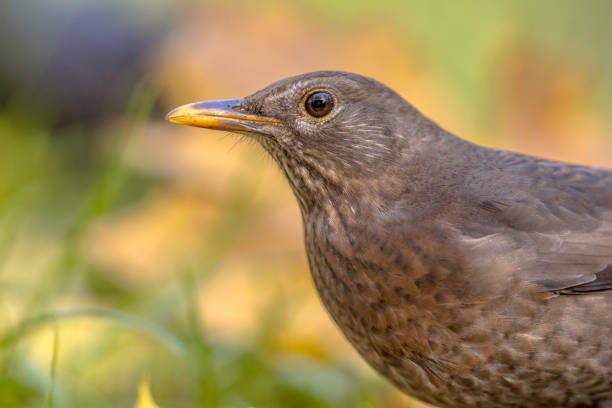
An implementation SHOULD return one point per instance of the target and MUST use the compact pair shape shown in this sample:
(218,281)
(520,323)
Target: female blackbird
(468,276)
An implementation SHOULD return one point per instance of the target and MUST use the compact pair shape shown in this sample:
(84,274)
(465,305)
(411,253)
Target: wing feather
(554,228)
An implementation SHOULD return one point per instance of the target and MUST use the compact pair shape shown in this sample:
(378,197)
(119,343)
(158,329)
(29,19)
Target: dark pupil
(319,104)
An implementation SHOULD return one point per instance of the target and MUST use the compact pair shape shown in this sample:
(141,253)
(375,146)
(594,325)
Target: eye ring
(318,103)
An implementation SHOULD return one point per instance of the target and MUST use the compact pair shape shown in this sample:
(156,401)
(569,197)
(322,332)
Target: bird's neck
(316,186)
(410,172)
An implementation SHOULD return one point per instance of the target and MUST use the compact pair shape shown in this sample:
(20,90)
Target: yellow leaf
(145,400)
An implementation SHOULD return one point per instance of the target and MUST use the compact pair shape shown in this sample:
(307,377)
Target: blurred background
(133,250)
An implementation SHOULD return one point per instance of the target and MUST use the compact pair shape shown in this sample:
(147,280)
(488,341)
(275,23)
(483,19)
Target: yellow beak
(222,115)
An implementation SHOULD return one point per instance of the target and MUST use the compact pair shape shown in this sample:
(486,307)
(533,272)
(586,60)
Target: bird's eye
(319,104)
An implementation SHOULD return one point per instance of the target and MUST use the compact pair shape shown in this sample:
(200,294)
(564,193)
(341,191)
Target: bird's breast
(382,291)
(412,308)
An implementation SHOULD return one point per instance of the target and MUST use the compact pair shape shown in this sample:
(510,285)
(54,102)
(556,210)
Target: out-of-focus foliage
(132,247)
(145,400)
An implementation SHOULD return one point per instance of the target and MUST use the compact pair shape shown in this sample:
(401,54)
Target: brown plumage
(469,277)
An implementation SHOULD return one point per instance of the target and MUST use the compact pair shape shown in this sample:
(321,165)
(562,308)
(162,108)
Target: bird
(467,276)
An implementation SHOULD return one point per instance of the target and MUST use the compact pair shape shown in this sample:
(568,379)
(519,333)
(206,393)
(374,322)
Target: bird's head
(323,128)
